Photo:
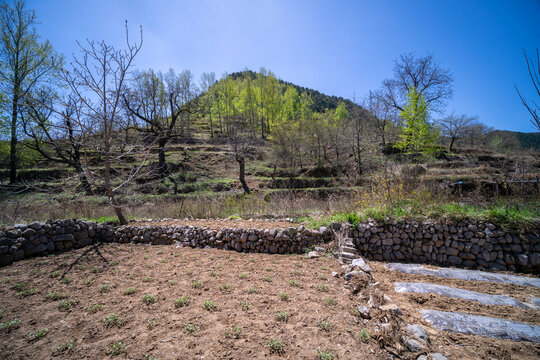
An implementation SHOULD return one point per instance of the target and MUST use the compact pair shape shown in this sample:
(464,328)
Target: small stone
(335,274)
(418,332)
(313,254)
(364,312)
(413,345)
(360,263)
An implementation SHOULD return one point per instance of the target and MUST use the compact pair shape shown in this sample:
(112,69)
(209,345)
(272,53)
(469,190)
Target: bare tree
(381,113)
(57,131)
(455,127)
(432,81)
(98,78)
(533,107)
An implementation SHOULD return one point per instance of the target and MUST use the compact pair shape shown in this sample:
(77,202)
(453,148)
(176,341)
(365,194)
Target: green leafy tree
(24,63)
(417,135)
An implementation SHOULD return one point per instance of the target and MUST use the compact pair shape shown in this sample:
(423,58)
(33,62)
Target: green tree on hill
(417,135)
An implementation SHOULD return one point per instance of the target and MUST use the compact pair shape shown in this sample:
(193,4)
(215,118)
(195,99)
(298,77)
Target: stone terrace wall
(471,243)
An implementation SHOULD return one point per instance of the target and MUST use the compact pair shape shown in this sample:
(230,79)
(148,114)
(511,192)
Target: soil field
(220,224)
(160,302)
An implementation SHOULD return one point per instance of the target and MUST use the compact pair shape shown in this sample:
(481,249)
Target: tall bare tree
(98,78)
(24,63)
(533,107)
(431,81)
(455,127)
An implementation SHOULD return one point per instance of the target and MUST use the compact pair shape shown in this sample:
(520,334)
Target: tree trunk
(451,144)
(162,166)
(242,164)
(108,187)
(13,148)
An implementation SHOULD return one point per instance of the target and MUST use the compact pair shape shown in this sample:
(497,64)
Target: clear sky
(342,48)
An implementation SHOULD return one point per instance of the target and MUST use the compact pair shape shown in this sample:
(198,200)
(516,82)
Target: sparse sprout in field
(191,328)
(6,280)
(147,279)
(163,261)
(183,261)
(149,357)
(268,268)
(325,325)
(213,273)
(330,301)
(66,304)
(55,295)
(35,272)
(282,316)
(182,301)
(245,305)
(283,296)
(242,276)
(324,267)
(268,279)
(171,282)
(27,292)
(113,263)
(65,346)
(130,276)
(19,286)
(151,323)
(145,257)
(323,277)
(276,346)
(94,270)
(253,290)
(294,283)
(196,284)
(176,255)
(148,266)
(253,260)
(297,272)
(363,335)
(235,332)
(54,274)
(148,299)
(225,287)
(325,355)
(88,282)
(66,280)
(159,252)
(219,266)
(10,325)
(105,288)
(210,306)
(1,312)
(198,263)
(189,272)
(38,334)
(113,320)
(130,291)
(298,264)
(322,288)
(92,309)
(117,348)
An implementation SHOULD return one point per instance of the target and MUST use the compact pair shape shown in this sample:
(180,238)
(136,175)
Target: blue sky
(340,48)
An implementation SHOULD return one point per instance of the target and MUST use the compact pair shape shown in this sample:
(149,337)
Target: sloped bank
(468,243)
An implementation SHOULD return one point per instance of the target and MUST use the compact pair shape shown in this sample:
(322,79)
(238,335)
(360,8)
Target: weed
(113,320)
(225,287)
(363,335)
(66,304)
(276,346)
(282,316)
(191,328)
(283,296)
(130,291)
(325,325)
(322,288)
(182,301)
(330,301)
(148,299)
(235,332)
(92,309)
(117,348)
(245,305)
(242,276)
(105,288)
(65,346)
(253,290)
(147,279)
(210,306)
(10,325)
(294,283)
(55,295)
(268,279)
(196,284)
(38,334)
(325,355)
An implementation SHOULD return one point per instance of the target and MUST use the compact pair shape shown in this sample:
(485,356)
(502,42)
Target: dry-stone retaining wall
(470,243)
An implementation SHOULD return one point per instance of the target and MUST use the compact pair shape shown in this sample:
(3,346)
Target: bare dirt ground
(244,287)
(220,224)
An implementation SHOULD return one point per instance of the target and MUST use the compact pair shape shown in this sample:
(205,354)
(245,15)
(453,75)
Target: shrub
(282,316)
(148,299)
(181,302)
(276,346)
(117,348)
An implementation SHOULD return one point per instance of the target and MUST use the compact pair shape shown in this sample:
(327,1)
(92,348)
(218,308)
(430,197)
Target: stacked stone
(468,243)
(22,241)
(275,241)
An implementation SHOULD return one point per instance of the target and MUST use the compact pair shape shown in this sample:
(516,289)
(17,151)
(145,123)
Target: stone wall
(471,243)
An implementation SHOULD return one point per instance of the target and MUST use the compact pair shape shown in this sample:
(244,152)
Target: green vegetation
(363,335)
(65,347)
(148,299)
(92,309)
(210,306)
(55,295)
(130,291)
(113,320)
(276,346)
(191,328)
(282,316)
(182,301)
(117,348)
(235,332)
(66,304)
(10,325)
(37,334)
(325,325)
(325,355)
